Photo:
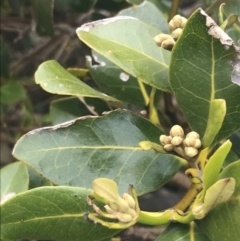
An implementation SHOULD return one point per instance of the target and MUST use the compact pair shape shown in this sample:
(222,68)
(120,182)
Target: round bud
(190,151)
(160,38)
(168,147)
(114,206)
(109,210)
(197,144)
(184,21)
(133,213)
(198,211)
(177,130)
(193,134)
(190,141)
(124,217)
(175,22)
(176,33)
(168,43)
(165,139)
(176,140)
(129,199)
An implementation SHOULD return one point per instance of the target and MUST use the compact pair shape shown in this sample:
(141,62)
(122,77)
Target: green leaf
(55,79)
(50,213)
(96,106)
(182,232)
(36,180)
(14,178)
(214,165)
(43,14)
(155,19)
(117,83)
(218,193)
(66,109)
(12,92)
(77,152)
(217,113)
(132,48)
(200,73)
(222,223)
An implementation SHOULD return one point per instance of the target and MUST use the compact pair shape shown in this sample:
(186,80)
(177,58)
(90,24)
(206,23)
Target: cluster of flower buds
(165,41)
(176,26)
(192,143)
(122,208)
(176,142)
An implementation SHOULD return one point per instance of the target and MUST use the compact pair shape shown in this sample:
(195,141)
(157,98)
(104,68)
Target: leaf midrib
(77,215)
(90,148)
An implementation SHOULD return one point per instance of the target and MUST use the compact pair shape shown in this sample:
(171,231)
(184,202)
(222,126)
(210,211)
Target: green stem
(166,217)
(189,197)
(174,9)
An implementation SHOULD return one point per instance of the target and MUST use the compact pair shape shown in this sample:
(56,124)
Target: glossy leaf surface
(14,178)
(132,48)
(50,213)
(225,226)
(182,232)
(55,79)
(75,153)
(199,73)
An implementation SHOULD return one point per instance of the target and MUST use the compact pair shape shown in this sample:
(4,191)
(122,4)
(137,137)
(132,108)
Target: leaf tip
(215,31)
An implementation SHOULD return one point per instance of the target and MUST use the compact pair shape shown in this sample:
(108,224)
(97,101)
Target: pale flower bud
(177,22)
(168,43)
(193,134)
(197,144)
(160,38)
(113,206)
(132,212)
(184,21)
(176,140)
(190,151)
(109,210)
(198,211)
(176,33)
(169,147)
(129,199)
(177,130)
(124,217)
(190,141)
(165,139)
